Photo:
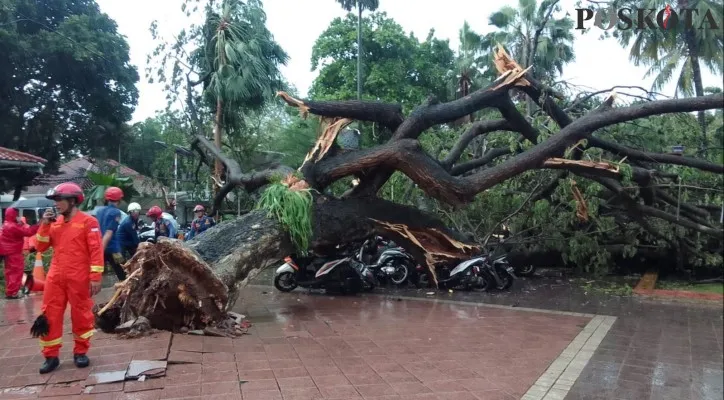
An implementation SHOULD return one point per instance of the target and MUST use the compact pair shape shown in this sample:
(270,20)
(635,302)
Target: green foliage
(516,29)
(66,81)
(670,53)
(102,181)
(241,56)
(399,68)
(293,209)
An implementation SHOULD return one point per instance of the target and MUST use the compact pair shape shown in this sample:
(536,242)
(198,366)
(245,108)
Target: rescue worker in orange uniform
(11,248)
(74,277)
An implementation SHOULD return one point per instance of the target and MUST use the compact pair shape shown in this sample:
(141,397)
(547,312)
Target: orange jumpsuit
(77,260)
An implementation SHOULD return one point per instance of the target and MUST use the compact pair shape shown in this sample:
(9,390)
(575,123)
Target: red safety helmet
(199,207)
(114,194)
(154,212)
(67,190)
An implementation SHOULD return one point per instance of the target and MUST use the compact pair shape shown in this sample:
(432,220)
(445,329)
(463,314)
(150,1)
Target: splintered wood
(330,130)
(436,246)
(581,206)
(303,108)
(509,70)
(596,165)
(294,183)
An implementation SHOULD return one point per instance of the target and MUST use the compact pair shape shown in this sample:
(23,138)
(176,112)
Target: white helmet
(134,207)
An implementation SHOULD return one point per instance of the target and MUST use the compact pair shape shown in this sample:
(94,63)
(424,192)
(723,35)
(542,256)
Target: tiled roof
(14,155)
(75,171)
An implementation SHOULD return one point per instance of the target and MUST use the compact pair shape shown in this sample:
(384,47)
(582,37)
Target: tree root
(169,287)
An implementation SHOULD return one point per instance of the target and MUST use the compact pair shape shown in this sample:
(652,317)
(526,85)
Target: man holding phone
(74,277)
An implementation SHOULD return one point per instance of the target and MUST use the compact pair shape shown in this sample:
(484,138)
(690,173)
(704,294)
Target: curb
(646,286)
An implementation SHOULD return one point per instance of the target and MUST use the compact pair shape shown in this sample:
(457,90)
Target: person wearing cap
(161,225)
(75,275)
(201,221)
(109,217)
(128,231)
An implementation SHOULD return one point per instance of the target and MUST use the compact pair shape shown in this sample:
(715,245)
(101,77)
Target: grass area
(701,288)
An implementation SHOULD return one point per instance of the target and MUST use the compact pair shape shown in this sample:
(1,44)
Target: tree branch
(234,175)
(476,129)
(387,115)
(634,154)
(489,156)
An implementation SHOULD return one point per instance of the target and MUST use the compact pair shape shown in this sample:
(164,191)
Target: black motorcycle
(387,261)
(339,274)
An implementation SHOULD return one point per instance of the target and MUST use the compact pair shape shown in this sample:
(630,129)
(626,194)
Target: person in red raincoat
(11,247)
(74,276)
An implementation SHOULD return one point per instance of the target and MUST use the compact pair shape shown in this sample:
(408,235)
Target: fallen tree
(235,251)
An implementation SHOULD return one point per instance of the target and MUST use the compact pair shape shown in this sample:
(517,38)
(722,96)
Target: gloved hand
(40,326)
(118,258)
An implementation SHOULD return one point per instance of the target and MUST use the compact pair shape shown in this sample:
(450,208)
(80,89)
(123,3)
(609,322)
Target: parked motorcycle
(498,272)
(387,261)
(334,274)
(465,275)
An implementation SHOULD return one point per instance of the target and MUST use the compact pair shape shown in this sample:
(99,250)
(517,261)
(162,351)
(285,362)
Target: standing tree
(243,67)
(233,57)
(679,49)
(535,37)
(66,83)
(370,5)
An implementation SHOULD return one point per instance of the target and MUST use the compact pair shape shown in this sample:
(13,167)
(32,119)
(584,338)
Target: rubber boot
(50,364)
(81,360)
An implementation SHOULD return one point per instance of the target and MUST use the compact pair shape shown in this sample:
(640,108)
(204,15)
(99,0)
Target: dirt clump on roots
(169,287)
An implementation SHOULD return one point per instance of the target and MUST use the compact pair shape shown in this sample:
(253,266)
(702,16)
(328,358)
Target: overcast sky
(296,25)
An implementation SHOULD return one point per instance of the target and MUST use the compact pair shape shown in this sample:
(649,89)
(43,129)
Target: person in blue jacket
(201,222)
(128,231)
(109,217)
(162,226)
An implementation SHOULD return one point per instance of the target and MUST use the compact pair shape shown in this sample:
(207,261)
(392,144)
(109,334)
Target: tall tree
(533,35)
(679,51)
(66,82)
(232,57)
(400,66)
(242,61)
(467,75)
(361,5)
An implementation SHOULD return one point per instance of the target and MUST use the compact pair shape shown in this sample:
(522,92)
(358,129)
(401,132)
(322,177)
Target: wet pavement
(398,344)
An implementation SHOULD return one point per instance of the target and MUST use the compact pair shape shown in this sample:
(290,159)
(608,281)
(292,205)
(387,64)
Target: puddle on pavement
(106,377)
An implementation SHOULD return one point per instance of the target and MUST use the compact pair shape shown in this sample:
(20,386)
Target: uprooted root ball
(174,290)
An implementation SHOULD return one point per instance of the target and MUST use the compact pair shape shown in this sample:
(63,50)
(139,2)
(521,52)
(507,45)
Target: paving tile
(340,392)
(145,395)
(262,395)
(296,383)
(148,384)
(181,391)
(301,394)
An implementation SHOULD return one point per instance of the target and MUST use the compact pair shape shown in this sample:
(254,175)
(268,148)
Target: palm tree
(370,5)
(101,181)
(677,51)
(242,60)
(533,36)
(467,76)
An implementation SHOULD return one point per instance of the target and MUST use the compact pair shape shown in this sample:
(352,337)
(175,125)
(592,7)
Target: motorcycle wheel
(423,280)
(402,272)
(527,270)
(507,282)
(285,282)
(484,285)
